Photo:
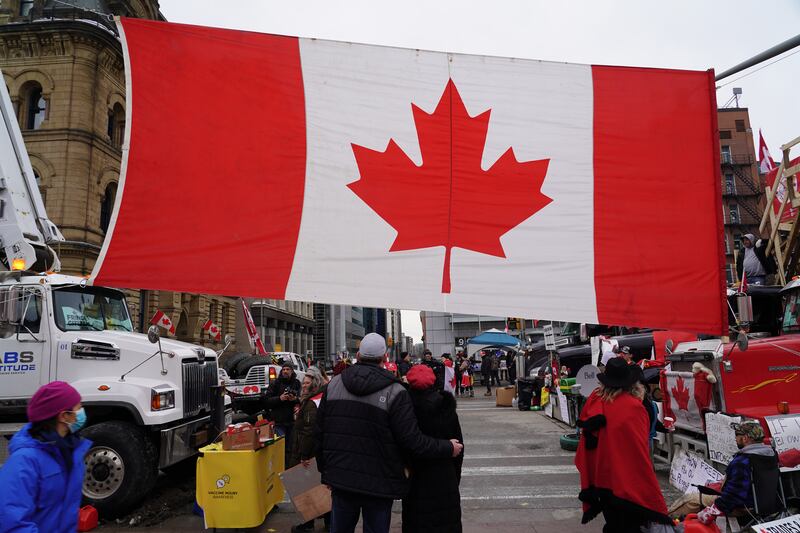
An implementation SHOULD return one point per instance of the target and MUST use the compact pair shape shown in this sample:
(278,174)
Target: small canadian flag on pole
(213,330)
(162,320)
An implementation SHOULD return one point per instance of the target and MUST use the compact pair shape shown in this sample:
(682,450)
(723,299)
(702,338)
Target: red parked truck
(756,376)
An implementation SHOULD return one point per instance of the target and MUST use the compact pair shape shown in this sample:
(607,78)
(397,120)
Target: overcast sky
(685,34)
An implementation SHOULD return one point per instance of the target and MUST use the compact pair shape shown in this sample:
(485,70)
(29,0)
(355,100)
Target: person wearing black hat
(282,396)
(613,458)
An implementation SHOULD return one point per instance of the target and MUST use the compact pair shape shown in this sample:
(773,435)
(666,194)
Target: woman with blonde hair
(613,458)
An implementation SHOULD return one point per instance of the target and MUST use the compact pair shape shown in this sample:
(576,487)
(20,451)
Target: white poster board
(721,437)
(785,432)
(563,407)
(784,525)
(689,469)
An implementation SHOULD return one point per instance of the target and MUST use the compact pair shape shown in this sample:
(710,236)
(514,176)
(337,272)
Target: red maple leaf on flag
(681,394)
(444,201)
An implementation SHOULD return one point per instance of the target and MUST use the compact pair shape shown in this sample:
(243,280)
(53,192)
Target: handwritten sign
(721,437)
(790,523)
(689,469)
(785,431)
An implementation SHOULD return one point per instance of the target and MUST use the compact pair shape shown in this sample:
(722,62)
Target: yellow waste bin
(237,489)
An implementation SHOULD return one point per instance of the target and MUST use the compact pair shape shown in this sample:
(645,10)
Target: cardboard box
(245,439)
(505,396)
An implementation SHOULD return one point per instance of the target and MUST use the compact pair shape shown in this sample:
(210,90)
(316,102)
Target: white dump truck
(149,401)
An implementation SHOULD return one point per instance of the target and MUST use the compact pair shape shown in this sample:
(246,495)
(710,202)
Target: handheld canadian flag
(357,139)
(765,162)
(162,320)
(213,330)
(252,332)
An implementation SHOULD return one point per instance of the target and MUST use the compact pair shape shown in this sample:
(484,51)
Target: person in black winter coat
(281,398)
(366,426)
(433,503)
(405,364)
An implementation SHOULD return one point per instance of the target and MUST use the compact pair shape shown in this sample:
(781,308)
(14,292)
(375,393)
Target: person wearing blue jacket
(43,476)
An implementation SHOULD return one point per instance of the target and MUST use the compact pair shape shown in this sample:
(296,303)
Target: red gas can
(692,525)
(87,518)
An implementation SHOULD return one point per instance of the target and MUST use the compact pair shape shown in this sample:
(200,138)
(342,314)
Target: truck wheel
(121,467)
(230,363)
(254,360)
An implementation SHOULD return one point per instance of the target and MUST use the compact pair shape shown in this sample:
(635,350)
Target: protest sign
(688,470)
(721,437)
(303,484)
(784,525)
(785,432)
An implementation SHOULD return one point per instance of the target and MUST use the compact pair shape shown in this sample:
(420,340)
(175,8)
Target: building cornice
(58,38)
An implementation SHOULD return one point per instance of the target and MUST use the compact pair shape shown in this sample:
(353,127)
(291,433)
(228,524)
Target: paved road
(516,478)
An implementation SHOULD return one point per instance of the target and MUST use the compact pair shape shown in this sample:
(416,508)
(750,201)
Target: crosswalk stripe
(468,457)
(518,470)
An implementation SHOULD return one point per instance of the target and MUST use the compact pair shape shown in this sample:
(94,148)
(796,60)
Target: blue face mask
(80,421)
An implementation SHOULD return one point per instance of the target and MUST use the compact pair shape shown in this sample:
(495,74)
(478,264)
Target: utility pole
(776,50)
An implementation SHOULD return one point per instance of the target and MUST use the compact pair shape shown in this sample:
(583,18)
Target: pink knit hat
(52,399)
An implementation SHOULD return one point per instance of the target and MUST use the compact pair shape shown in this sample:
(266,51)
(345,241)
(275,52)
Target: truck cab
(148,405)
(755,376)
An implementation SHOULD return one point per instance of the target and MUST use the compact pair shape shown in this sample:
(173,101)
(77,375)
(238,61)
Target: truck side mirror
(742,342)
(228,339)
(669,345)
(14,304)
(153,334)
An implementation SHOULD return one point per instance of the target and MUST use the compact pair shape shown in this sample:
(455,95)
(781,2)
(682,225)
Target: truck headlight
(161,399)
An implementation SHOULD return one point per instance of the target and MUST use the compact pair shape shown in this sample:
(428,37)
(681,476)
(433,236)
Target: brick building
(742,187)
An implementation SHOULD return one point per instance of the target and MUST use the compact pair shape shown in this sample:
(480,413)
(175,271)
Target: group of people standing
(379,439)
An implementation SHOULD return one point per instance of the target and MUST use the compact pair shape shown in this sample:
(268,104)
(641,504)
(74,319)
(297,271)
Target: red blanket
(614,460)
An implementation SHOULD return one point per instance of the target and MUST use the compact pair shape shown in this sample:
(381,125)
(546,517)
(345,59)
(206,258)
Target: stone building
(63,66)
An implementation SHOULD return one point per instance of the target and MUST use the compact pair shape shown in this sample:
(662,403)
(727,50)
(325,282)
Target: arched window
(107,206)
(25,7)
(116,125)
(33,106)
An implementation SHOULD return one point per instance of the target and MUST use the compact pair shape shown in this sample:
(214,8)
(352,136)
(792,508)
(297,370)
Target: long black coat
(434,504)
(365,424)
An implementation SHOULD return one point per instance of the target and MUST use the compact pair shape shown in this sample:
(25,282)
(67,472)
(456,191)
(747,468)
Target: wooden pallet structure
(784,237)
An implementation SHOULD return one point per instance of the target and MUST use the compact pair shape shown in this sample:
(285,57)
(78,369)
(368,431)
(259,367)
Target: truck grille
(197,382)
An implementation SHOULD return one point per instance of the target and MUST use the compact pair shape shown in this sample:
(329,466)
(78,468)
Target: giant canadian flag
(387,177)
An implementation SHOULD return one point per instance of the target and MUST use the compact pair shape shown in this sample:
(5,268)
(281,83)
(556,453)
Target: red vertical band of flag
(231,110)
(637,180)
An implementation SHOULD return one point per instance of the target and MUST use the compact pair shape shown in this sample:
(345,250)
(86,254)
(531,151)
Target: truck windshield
(90,309)
(791,312)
